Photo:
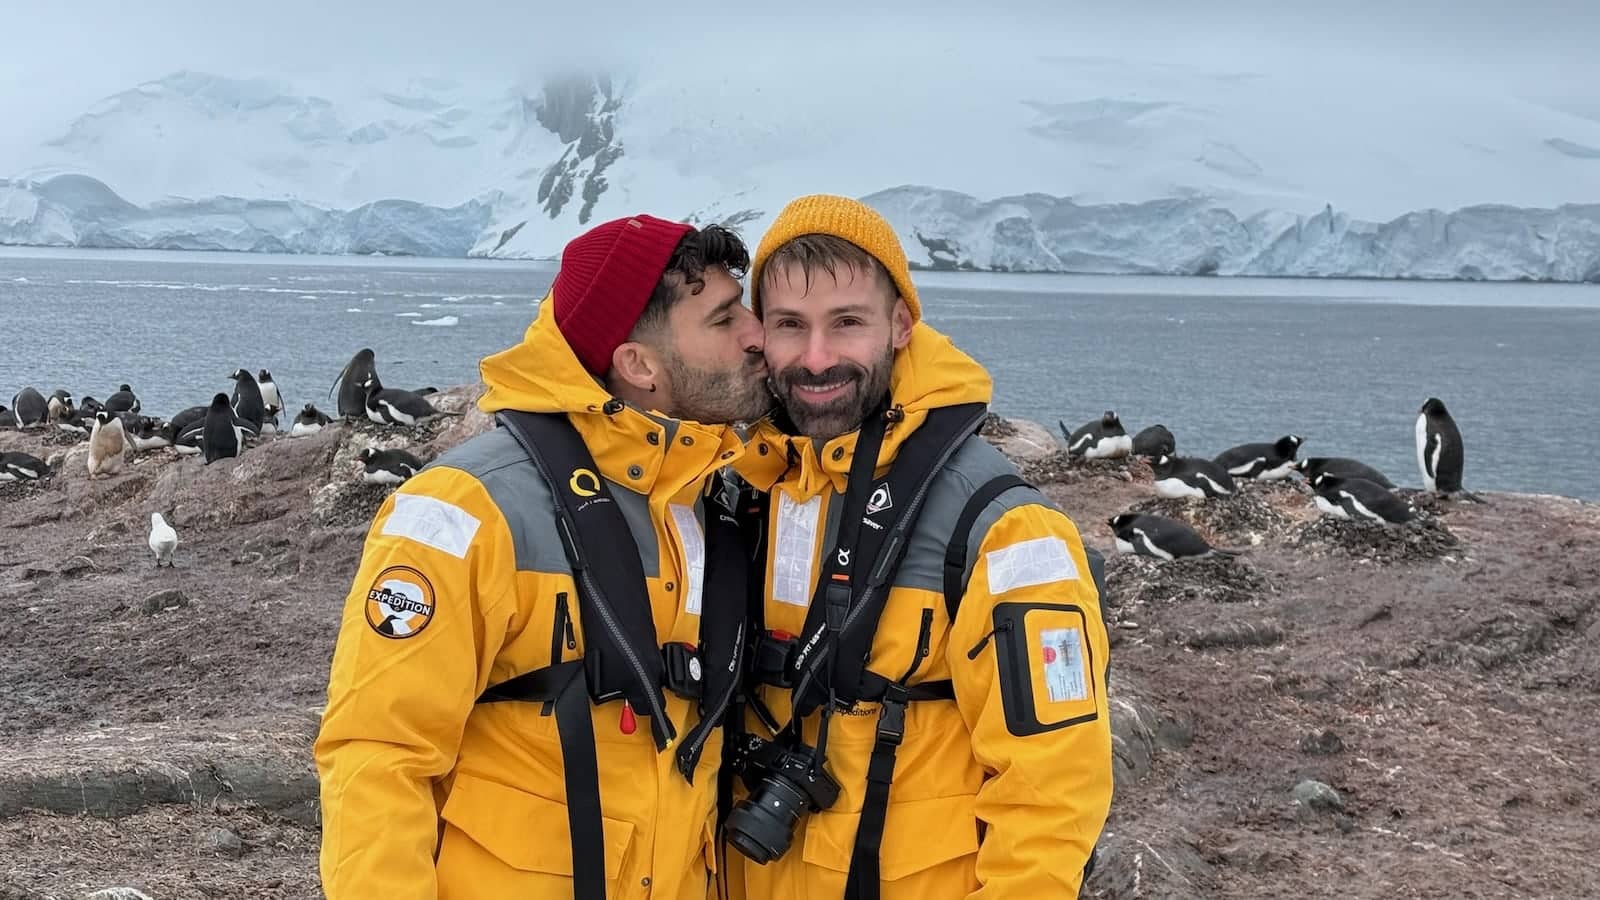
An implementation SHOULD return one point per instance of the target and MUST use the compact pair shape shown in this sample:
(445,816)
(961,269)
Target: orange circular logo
(400,602)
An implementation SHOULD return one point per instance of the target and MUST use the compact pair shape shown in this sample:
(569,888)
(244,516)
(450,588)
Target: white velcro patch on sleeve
(796,541)
(432,523)
(694,552)
(1039,561)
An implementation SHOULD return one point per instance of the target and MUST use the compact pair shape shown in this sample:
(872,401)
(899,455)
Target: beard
(718,397)
(824,421)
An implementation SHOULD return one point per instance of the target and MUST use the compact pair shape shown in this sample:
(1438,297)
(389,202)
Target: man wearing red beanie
(547,623)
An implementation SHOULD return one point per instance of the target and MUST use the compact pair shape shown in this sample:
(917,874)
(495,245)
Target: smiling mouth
(820,391)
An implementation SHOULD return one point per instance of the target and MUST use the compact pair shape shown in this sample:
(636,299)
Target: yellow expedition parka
(427,794)
(1001,793)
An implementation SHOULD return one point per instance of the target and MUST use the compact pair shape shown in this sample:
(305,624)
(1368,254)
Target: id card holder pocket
(1046,666)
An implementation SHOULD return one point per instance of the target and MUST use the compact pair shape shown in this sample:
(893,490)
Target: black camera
(785,784)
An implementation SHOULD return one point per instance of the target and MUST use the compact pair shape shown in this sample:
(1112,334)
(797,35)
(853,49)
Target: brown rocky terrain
(1341,711)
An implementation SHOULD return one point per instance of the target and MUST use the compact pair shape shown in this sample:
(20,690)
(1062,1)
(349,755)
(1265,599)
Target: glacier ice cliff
(1038,233)
(940,229)
(80,211)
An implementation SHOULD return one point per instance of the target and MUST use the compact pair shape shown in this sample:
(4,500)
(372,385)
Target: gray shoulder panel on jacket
(524,498)
(976,462)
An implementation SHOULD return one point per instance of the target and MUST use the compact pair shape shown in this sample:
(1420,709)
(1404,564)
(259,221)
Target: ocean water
(1345,364)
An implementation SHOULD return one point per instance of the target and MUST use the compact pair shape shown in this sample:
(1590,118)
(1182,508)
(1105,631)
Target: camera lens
(762,826)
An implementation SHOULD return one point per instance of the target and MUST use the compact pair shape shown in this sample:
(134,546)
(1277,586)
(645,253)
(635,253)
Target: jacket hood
(631,446)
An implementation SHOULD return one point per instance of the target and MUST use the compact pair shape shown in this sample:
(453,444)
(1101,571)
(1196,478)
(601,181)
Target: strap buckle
(771,659)
(682,672)
(892,715)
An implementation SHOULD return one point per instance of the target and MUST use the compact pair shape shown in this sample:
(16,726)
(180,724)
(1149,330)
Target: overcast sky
(57,58)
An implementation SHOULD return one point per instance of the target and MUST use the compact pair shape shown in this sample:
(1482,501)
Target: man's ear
(900,321)
(636,364)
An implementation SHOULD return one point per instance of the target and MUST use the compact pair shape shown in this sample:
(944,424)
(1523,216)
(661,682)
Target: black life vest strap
(613,599)
(917,463)
(836,591)
(723,600)
(563,684)
(862,883)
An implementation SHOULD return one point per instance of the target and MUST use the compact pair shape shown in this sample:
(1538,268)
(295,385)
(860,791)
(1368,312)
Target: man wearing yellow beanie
(927,715)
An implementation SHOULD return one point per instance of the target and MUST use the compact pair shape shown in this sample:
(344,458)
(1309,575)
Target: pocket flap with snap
(526,831)
(917,835)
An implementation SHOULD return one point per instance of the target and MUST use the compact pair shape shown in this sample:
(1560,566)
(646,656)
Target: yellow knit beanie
(844,218)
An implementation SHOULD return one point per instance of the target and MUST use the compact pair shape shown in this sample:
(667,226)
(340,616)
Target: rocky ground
(1341,711)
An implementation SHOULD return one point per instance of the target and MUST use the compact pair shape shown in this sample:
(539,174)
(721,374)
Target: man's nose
(752,336)
(819,356)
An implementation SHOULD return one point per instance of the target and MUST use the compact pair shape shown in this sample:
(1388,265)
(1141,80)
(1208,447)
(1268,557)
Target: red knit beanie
(607,275)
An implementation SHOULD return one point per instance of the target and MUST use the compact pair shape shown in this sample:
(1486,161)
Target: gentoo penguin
(7,420)
(1440,453)
(1360,499)
(269,392)
(19,466)
(1312,466)
(123,400)
(1263,462)
(389,406)
(75,423)
(388,466)
(1104,438)
(309,421)
(146,432)
(59,406)
(352,381)
(163,539)
(1178,477)
(89,406)
(1154,441)
(107,443)
(187,417)
(246,400)
(182,431)
(1161,537)
(28,407)
(221,436)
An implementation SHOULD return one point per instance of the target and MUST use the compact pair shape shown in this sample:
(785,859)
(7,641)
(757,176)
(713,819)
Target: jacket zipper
(562,630)
(866,597)
(1003,626)
(651,689)
(561,626)
(715,714)
(923,638)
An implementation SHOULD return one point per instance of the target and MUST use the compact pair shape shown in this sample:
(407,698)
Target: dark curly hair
(697,251)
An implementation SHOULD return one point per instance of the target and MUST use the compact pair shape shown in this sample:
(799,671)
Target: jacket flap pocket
(917,835)
(526,831)
(1046,666)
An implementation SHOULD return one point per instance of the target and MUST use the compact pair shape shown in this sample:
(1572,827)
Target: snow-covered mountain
(1039,164)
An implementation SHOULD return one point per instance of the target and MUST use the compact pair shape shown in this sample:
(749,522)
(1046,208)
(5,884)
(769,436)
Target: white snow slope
(1041,164)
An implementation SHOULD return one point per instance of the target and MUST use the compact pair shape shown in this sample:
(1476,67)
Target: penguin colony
(250,414)
(1341,487)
